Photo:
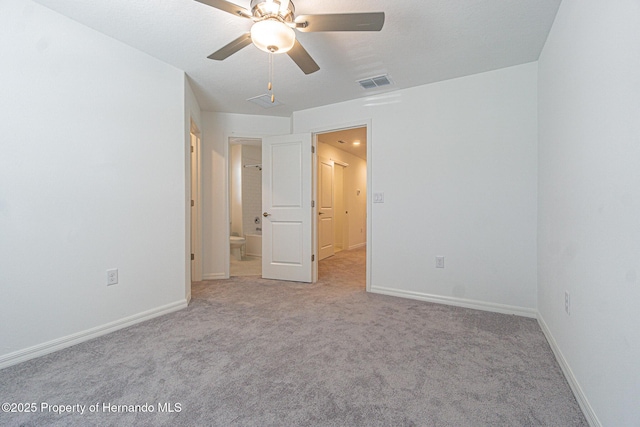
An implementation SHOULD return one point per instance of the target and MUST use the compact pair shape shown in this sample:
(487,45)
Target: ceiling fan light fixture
(273,36)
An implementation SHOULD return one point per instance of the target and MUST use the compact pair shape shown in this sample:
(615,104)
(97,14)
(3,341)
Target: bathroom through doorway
(245,206)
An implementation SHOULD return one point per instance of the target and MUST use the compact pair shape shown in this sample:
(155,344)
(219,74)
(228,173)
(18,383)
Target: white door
(325,208)
(286,206)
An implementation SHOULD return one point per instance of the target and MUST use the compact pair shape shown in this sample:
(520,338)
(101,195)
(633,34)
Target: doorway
(342,183)
(286,216)
(245,206)
(297,187)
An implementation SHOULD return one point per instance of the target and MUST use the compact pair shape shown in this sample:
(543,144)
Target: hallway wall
(355,177)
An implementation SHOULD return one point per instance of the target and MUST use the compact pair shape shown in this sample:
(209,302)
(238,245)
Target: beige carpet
(253,352)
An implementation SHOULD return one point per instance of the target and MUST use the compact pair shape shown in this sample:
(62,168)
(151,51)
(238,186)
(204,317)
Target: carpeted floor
(252,352)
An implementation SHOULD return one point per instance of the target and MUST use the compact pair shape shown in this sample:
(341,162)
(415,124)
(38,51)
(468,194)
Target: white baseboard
(359,245)
(458,302)
(587,410)
(64,342)
(214,276)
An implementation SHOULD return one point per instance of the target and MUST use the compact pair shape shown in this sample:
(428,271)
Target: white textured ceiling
(423,41)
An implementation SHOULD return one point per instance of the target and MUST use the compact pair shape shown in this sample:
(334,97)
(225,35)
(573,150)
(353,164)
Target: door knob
(265,214)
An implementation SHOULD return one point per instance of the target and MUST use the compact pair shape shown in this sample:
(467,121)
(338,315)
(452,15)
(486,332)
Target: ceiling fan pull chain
(270,87)
(270,71)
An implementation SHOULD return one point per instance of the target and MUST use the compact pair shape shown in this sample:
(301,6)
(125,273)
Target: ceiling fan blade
(228,50)
(341,22)
(233,9)
(302,58)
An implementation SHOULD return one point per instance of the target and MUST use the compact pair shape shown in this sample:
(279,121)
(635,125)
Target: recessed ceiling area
(422,41)
(353,141)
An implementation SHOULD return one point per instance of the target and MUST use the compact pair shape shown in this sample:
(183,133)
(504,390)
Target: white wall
(457,161)
(217,128)
(355,177)
(340,240)
(92,177)
(589,202)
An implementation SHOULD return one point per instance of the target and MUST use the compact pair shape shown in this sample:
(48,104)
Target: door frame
(314,140)
(195,211)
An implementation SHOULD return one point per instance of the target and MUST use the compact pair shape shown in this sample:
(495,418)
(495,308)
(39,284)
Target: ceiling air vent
(374,82)
(265,101)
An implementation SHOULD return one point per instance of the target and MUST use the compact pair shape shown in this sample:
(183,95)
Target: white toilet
(237,246)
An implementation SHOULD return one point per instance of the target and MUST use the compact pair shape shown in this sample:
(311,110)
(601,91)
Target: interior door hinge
(313,203)
(193,203)
(313,149)
(192,148)
(313,258)
(193,257)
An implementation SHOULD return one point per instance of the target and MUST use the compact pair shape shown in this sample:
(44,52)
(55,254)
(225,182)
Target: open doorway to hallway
(346,268)
(342,198)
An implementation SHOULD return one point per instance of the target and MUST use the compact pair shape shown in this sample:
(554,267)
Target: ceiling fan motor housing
(279,9)
(274,22)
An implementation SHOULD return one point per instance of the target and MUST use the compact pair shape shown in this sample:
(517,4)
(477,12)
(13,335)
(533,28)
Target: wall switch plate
(378,197)
(439,262)
(112,277)
(567,302)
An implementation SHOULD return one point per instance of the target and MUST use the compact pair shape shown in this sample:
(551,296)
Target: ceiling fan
(274,24)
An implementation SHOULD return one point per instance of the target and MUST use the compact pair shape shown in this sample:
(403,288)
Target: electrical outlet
(112,277)
(439,262)
(567,303)
(378,197)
